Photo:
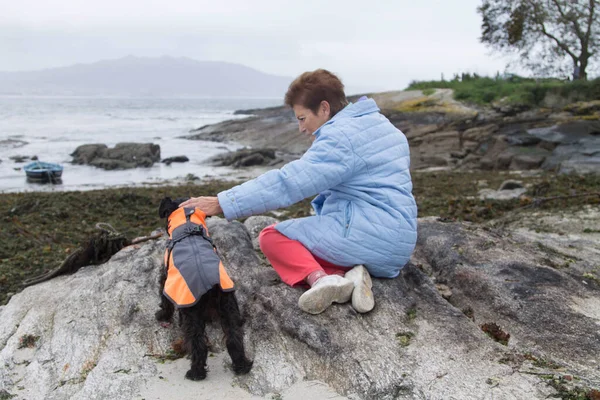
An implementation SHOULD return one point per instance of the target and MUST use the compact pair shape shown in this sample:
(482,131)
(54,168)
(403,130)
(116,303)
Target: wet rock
(122,156)
(522,138)
(19,159)
(110,164)
(579,164)
(508,190)
(245,158)
(178,159)
(526,161)
(511,184)
(568,132)
(84,154)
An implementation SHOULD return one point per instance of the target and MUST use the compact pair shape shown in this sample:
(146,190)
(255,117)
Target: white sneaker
(327,290)
(362,296)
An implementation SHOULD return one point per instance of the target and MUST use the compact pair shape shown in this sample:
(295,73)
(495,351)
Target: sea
(51,128)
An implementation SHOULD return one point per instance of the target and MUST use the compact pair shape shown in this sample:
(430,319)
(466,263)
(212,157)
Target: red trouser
(290,259)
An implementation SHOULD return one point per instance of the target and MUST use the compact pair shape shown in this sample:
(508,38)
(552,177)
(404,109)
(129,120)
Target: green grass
(516,90)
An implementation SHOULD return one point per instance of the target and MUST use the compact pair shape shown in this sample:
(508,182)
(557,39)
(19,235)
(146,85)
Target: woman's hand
(209,205)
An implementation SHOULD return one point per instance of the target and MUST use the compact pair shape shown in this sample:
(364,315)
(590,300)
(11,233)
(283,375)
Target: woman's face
(308,121)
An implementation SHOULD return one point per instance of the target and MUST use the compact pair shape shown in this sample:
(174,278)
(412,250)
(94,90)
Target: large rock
(271,127)
(578,146)
(177,159)
(245,158)
(97,338)
(568,132)
(86,153)
(122,156)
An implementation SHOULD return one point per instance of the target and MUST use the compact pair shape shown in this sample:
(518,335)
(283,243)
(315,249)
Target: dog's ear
(166,207)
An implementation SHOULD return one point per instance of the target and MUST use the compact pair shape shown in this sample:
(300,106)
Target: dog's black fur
(194,319)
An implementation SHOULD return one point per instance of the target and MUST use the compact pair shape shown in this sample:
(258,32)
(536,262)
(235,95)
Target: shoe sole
(316,300)
(362,296)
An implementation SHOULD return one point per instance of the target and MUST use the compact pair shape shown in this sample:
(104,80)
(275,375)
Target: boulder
(579,164)
(491,150)
(511,184)
(122,156)
(140,154)
(19,159)
(480,133)
(504,159)
(568,132)
(526,161)
(86,153)
(502,194)
(522,138)
(508,190)
(245,158)
(477,313)
(170,160)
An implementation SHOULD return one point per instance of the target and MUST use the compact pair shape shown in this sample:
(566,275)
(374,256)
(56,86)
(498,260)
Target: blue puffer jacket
(365,211)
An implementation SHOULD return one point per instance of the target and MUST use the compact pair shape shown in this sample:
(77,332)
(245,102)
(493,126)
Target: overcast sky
(371,45)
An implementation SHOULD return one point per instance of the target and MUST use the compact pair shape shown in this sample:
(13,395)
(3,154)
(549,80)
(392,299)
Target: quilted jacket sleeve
(327,163)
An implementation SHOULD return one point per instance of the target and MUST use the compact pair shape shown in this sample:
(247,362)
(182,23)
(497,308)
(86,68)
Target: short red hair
(311,88)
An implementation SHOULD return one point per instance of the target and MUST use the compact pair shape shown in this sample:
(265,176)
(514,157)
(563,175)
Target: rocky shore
(444,133)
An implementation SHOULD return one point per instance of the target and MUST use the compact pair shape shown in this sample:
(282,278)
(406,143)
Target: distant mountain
(164,76)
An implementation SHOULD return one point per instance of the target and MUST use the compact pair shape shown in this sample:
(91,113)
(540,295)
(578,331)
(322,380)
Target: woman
(365,214)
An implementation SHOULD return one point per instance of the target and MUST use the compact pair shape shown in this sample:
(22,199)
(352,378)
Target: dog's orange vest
(193,265)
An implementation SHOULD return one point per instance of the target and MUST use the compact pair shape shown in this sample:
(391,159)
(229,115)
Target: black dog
(214,301)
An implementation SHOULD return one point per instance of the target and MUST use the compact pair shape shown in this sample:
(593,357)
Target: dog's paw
(196,374)
(242,368)
(164,316)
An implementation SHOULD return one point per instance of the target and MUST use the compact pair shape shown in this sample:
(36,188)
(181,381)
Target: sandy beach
(221,384)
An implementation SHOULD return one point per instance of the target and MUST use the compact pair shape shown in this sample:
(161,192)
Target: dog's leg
(231,321)
(194,337)
(165,314)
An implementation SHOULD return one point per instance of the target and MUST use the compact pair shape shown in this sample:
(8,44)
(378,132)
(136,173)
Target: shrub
(512,89)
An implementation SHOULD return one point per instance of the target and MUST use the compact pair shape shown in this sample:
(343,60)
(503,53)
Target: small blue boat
(40,171)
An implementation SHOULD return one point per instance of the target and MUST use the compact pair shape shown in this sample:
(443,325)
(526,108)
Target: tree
(550,36)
